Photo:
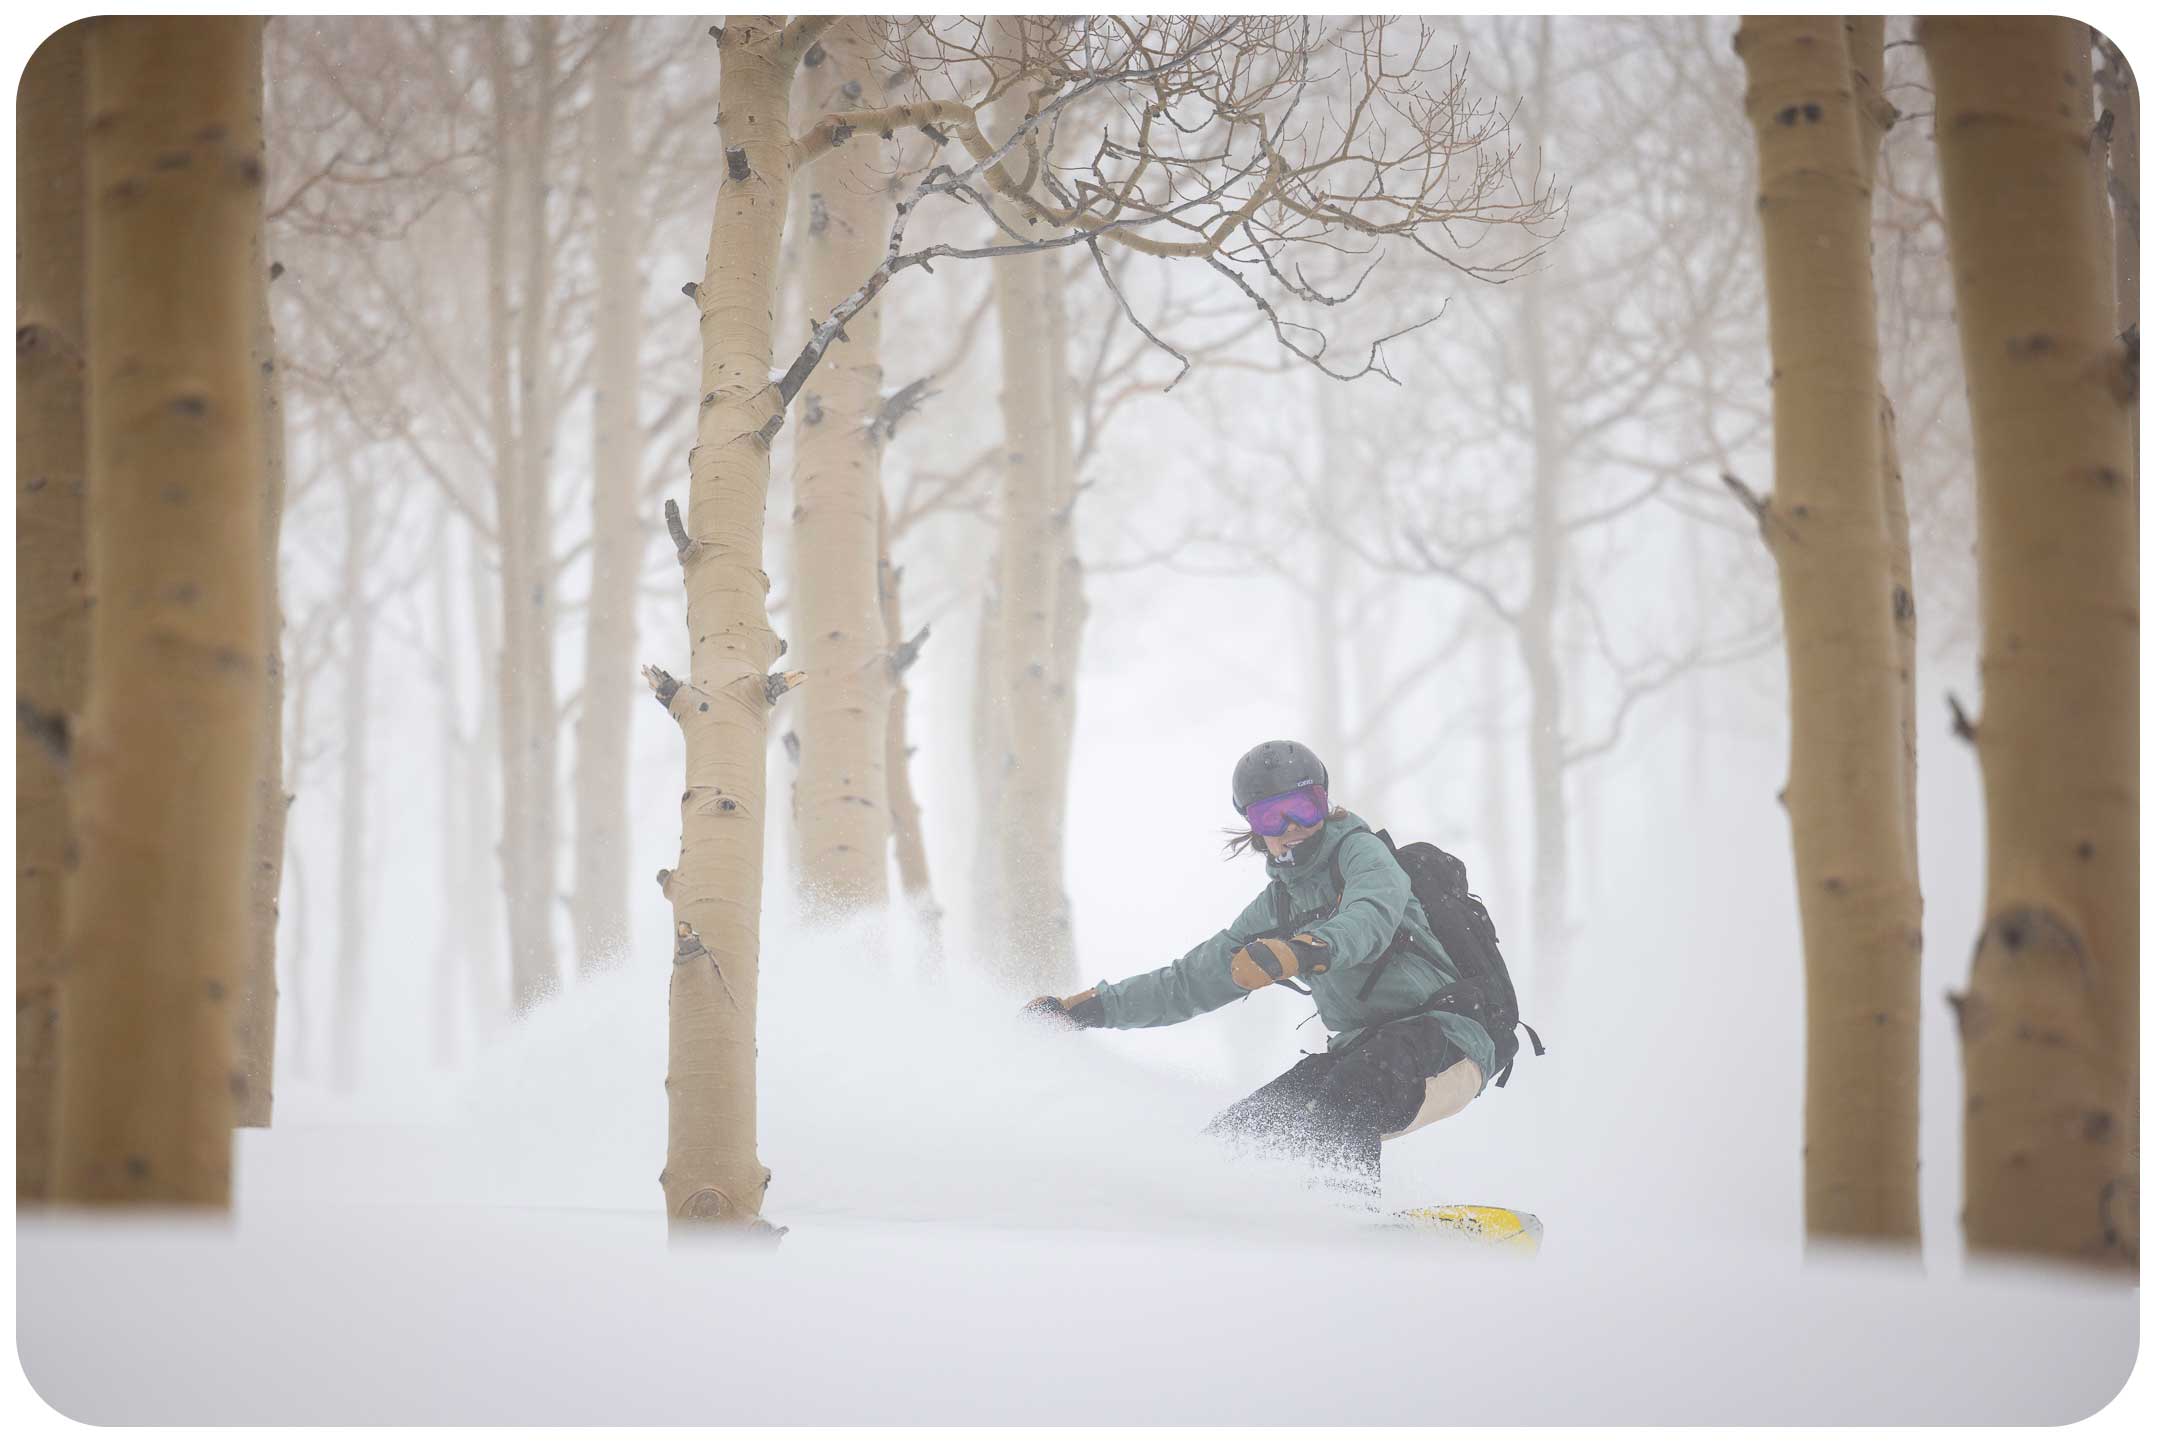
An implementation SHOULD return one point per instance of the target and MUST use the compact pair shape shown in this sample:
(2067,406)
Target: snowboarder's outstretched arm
(1196,983)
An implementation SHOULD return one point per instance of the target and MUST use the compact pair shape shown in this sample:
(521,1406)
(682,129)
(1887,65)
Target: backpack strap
(1372,974)
(1387,957)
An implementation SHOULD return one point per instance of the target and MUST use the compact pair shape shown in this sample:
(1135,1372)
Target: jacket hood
(1313,856)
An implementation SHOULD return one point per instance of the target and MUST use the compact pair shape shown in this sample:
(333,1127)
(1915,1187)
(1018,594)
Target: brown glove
(1269,960)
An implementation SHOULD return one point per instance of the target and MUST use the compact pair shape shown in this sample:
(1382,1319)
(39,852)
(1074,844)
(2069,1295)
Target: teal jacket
(1375,906)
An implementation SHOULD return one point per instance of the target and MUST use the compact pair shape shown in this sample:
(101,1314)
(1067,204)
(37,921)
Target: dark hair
(1249,839)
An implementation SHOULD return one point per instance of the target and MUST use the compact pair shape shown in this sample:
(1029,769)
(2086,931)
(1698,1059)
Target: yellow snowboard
(1494,1226)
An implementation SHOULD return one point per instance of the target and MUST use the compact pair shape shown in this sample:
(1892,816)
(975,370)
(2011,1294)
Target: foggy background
(1660,1139)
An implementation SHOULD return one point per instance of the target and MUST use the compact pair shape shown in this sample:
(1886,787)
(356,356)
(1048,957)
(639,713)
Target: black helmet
(1270,769)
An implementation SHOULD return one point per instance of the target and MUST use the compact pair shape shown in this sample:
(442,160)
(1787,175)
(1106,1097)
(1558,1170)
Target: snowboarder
(1338,917)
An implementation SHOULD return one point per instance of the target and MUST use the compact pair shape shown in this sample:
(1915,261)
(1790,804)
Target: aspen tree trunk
(842,825)
(52,628)
(2096,162)
(1499,839)
(296,992)
(1382,743)
(1897,525)
(1875,113)
(165,763)
(457,831)
(1069,618)
(713,1174)
(1028,924)
(1535,637)
(527,705)
(2119,87)
(1325,703)
(255,1033)
(1029,935)
(2049,1026)
(1827,529)
(510,680)
(349,989)
(600,898)
(993,747)
(1330,737)
(909,852)
(1693,688)
(485,969)
(1536,644)
(534,628)
(297,989)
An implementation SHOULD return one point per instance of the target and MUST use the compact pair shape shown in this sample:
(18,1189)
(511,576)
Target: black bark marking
(738,163)
(1961,724)
(50,730)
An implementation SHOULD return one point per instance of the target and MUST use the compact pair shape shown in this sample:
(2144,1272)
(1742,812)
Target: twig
(898,406)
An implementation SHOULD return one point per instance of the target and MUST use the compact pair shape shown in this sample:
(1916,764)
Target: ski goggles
(1305,806)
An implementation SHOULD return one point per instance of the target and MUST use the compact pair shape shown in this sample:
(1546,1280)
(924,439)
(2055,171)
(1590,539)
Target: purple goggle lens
(1305,806)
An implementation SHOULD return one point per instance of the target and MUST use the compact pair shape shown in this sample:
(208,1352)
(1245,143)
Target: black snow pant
(1330,1110)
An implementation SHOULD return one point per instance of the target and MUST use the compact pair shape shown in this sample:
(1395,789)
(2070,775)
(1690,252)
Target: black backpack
(1465,931)
(1482,989)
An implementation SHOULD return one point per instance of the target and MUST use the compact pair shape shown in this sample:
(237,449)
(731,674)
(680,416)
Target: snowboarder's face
(1279,846)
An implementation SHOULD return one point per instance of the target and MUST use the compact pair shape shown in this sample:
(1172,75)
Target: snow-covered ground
(989,1223)
(348,1313)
